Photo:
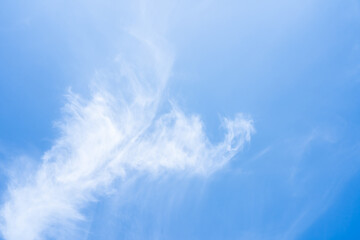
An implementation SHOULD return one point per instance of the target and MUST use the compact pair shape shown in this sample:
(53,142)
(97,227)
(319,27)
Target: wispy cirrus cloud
(117,133)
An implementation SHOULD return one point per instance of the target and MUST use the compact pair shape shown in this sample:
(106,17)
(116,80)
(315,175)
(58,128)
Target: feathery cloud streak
(115,134)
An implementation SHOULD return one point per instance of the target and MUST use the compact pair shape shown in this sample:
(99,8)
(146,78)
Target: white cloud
(117,133)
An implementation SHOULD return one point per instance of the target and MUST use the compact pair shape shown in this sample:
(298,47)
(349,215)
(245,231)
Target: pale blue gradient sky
(293,66)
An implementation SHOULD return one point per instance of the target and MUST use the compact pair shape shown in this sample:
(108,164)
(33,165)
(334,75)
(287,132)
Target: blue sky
(179,119)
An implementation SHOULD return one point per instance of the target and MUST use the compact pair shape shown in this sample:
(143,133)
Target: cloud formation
(115,134)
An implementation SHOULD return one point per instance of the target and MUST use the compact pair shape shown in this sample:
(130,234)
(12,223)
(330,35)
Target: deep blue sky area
(293,67)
